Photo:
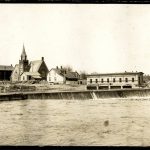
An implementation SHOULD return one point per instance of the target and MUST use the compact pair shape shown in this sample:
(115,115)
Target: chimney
(61,67)
(56,67)
(42,58)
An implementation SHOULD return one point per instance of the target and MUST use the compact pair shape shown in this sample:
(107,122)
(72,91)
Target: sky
(102,38)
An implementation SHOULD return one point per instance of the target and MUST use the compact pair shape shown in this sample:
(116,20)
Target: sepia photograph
(74,75)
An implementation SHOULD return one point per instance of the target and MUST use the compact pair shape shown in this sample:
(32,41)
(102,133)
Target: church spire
(23,55)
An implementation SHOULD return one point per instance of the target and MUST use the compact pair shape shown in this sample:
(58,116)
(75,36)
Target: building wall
(24,77)
(97,80)
(82,82)
(54,77)
(71,82)
(15,74)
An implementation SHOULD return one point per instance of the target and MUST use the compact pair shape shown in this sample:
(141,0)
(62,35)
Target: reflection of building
(115,80)
(5,72)
(61,76)
(35,70)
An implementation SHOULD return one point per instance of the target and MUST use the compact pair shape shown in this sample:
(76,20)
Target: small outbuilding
(26,76)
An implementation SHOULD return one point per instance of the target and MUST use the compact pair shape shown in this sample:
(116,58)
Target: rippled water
(75,122)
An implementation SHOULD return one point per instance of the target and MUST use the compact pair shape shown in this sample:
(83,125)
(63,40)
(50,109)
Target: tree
(67,68)
(83,75)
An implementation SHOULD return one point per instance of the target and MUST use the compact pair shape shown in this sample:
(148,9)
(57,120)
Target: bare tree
(67,68)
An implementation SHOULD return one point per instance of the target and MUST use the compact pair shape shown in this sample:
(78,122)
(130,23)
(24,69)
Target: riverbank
(77,95)
(8,87)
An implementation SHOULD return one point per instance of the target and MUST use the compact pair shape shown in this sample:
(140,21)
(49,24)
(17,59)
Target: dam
(77,95)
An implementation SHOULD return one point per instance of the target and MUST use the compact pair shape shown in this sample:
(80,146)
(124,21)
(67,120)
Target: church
(25,71)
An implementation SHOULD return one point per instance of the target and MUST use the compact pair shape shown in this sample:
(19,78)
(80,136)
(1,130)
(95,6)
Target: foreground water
(75,122)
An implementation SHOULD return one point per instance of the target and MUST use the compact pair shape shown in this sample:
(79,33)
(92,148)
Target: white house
(55,76)
(61,76)
(115,80)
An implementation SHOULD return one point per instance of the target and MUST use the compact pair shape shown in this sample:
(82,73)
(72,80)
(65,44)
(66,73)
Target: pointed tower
(23,63)
(23,55)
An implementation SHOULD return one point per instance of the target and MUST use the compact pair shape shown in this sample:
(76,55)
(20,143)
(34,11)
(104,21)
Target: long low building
(115,80)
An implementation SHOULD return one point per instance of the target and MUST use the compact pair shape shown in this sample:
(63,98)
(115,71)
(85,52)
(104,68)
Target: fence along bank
(121,80)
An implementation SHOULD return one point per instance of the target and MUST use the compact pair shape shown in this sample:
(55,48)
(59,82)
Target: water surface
(75,122)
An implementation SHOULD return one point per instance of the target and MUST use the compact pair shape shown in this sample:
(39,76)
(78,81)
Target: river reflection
(75,122)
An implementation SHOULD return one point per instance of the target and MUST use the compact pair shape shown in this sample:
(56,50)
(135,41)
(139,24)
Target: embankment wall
(77,95)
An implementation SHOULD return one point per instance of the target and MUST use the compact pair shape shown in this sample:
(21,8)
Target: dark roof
(121,73)
(6,68)
(71,75)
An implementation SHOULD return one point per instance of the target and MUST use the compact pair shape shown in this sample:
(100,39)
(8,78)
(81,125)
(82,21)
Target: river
(103,122)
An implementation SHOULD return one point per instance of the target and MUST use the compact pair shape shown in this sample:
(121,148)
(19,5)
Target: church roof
(35,65)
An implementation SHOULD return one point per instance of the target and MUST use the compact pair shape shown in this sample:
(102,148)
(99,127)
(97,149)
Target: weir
(77,95)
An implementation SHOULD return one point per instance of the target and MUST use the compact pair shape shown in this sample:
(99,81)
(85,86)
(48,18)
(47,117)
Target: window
(90,80)
(49,78)
(102,80)
(126,79)
(55,78)
(132,79)
(29,77)
(96,80)
(114,80)
(108,80)
(120,80)
(23,78)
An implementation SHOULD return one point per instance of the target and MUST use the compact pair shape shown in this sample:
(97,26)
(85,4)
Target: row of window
(114,80)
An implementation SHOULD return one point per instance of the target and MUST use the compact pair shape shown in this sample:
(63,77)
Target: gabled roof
(6,68)
(71,75)
(35,65)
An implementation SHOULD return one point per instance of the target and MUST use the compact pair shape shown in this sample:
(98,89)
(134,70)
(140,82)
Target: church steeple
(23,63)
(23,55)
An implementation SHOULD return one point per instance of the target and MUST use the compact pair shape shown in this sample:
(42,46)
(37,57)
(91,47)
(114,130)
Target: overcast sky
(95,38)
